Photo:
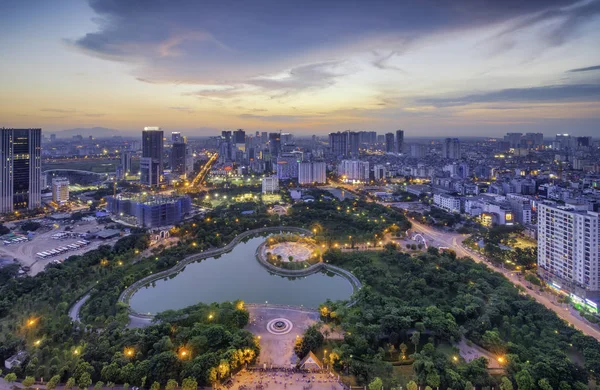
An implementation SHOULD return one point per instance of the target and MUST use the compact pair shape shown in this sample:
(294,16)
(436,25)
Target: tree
(411,386)
(155,386)
(189,383)
(28,381)
(403,348)
(99,385)
(433,379)
(11,377)
(415,338)
(51,385)
(469,386)
(544,384)
(125,386)
(171,384)
(376,384)
(506,384)
(85,380)
(70,383)
(110,385)
(524,380)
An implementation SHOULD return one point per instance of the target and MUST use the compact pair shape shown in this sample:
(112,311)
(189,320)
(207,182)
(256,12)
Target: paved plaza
(277,350)
(257,380)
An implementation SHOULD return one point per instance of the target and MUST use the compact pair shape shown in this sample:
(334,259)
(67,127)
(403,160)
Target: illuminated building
(568,248)
(20,172)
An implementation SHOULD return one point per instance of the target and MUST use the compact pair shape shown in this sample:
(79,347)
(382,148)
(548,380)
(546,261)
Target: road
(454,242)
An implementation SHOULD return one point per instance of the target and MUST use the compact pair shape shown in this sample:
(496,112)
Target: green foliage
(28,381)
(524,380)
(506,384)
(444,299)
(155,386)
(53,382)
(99,385)
(10,377)
(189,383)
(85,380)
(171,384)
(411,385)
(310,341)
(70,383)
(376,384)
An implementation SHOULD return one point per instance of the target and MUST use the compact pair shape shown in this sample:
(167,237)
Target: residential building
(126,162)
(178,158)
(451,148)
(312,172)
(354,170)
(338,144)
(20,169)
(353,143)
(399,141)
(569,251)
(389,142)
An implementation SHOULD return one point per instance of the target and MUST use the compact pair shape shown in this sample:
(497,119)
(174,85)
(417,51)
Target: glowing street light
(210,316)
(128,352)
(37,343)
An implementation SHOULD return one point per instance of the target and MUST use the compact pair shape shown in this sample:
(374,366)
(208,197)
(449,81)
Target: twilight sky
(431,67)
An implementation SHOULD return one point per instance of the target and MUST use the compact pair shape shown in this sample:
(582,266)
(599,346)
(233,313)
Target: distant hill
(97,132)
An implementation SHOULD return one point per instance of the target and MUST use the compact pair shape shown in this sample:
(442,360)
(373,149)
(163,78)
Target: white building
(270,184)
(60,189)
(312,172)
(354,170)
(447,202)
(379,172)
(568,250)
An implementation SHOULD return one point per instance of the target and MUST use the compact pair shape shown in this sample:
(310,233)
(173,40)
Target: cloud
(575,92)
(382,62)
(589,68)
(188,110)
(58,110)
(279,118)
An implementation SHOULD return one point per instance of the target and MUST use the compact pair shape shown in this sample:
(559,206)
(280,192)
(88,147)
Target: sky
(430,67)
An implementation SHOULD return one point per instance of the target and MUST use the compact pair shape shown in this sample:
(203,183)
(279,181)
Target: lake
(238,275)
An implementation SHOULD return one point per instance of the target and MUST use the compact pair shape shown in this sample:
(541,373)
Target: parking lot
(25,251)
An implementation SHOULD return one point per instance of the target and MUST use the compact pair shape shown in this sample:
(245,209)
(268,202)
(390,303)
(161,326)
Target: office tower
(311,172)
(52,137)
(399,141)
(270,184)
(21,169)
(451,148)
(389,142)
(60,189)
(178,158)
(274,144)
(338,143)
(126,162)
(151,163)
(287,138)
(264,137)
(353,143)
(568,248)
(176,137)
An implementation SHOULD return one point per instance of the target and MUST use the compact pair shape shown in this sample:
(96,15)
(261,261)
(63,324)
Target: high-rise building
(389,142)
(151,163)
(451,148)
(239,136)
(353,143)
(52,137)
(311,172)
(20,169)
(178,158)
(60,189)
(176,137)
(126,162)
(418,150)
(568,249)
(379,172)
(338,143)
(399,141)
(287,166)
(354,170)
(274,144)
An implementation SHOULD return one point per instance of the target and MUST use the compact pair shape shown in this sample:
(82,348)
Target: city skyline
(465,67)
